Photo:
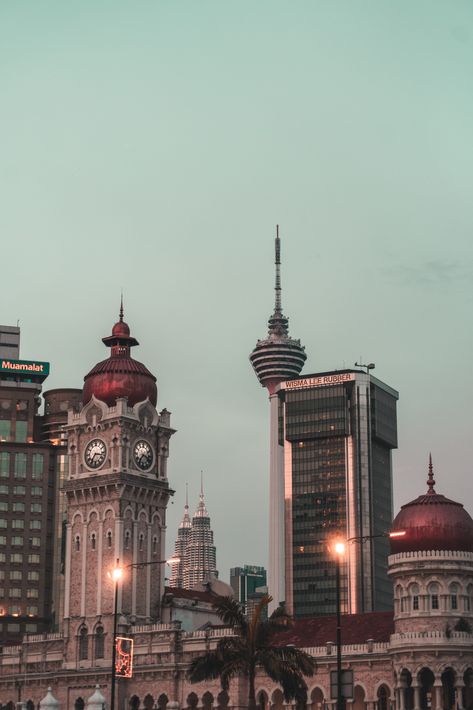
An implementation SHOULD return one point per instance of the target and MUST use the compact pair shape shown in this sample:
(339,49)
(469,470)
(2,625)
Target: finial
(187,495)
(277,287)
(431,480)
(201,484)
(121,308)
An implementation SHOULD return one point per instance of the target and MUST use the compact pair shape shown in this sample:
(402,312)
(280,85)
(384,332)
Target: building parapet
(419,638)
(431,554)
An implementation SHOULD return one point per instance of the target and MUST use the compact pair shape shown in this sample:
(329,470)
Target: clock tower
(117,492)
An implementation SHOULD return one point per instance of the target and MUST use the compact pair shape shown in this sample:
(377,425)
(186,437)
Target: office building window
(33,559)
(18,524)
(31,628)
(4,464)
(3,489)
(33,576)
(19,490)
(14,610)
(3,524)
(21,431)
(32,610)
(3,540)
(20,466)
(16,575)
(37,468)
(16,558)
(32,593)
(3,506)
(35,524)
(35,541)
(3,557)
(5,429)
(36,507)
(18,507)
(13,628)
(17,540)
(36,491)
(14,592)
(2,574)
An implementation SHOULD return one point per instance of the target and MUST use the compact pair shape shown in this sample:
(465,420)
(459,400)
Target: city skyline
(157,156)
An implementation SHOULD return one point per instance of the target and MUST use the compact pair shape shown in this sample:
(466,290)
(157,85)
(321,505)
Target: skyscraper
(337,430)
(330,475)
(246,580)
(195,556)
(276,358)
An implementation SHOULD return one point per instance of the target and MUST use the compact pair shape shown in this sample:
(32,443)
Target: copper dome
(120,375)
(432,522)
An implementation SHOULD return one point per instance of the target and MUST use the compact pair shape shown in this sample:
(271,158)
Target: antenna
(277,287)
(121,307)
(369,366)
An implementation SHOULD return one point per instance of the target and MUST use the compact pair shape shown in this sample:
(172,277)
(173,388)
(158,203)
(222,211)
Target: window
(83,644)
(36,491)
(35,541)
(5,430)
(453,601)
(415,602)
(77,543)
(33,576)
(37,468)
(3,489)
(17,540)
(33,559)
(32,610)
(18,524)
(3,557)
(127,540)
(141,541)
(16,575)
(3,506)
(109,538)
(36,507)
(14,593)
(4,464)
(93,540)
(16,558)
(35,524)
(14,610)
(19,490)
(32,593)
(155,545)
(3,524)
(2,574)
(13,628)
(21,430)
(3,540)
(99,642)
(20,466)
(434,601)
(18,507)
(31,628)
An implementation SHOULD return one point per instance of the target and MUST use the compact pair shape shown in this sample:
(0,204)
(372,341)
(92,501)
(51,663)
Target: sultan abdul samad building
(419,656)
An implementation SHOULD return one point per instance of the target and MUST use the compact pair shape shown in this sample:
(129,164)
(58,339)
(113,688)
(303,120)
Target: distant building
(195,556)
(245,581)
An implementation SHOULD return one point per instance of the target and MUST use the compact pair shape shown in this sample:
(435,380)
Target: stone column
(438,693)
(416,688)
(459,685)
(402,696)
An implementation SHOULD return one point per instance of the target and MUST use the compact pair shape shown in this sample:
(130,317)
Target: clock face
(143,455)
(95,453)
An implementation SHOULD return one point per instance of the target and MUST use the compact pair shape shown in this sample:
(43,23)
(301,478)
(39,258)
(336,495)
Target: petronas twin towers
(194,548)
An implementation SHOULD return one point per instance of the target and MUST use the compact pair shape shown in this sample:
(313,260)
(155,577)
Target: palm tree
(251,648)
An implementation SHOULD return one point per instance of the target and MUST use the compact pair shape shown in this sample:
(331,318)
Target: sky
(153,146)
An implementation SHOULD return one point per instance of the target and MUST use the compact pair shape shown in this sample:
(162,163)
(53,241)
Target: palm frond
(230,612)
(206,667)
(255,622)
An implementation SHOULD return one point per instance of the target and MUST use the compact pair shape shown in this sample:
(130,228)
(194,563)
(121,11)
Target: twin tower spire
(194,547)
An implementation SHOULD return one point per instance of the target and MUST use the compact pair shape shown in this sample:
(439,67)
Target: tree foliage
(253,647)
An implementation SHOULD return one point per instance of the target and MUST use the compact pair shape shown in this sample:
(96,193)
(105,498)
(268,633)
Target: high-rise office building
(331,436)
(337,430)
(245,581)
(27,489)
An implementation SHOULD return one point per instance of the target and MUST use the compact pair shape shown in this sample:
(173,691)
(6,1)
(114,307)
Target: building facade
(419,657)
(245,582)
(336,433)
(27,495)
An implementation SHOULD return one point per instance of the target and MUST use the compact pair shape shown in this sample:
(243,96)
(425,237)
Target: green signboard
(24,368)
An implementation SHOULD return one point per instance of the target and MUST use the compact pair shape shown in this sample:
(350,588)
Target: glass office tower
(337,430)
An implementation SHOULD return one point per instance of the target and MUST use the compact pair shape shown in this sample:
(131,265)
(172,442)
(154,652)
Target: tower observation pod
(276,358)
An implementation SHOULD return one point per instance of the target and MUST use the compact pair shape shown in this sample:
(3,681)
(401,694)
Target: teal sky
(153,146)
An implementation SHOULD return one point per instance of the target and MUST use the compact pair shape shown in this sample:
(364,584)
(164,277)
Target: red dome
(120,375)
(432,522)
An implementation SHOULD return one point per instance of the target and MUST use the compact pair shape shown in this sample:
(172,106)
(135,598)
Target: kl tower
(276,358)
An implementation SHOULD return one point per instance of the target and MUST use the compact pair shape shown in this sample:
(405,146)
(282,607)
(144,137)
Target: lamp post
(339,548)
(116,575)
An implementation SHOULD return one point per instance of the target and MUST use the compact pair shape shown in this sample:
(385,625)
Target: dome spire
(120,315)
(430,479)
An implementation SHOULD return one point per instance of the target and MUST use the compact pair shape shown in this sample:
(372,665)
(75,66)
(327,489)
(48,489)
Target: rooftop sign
(318,381)
(24,367)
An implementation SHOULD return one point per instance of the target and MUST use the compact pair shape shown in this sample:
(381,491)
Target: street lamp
(116,574)
(339,549)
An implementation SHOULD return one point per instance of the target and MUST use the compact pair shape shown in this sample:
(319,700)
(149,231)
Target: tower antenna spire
(121,307)
(430,479)
(187,495)
(277,261)
(201,484)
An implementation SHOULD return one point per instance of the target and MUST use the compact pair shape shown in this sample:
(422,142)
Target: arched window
(30,705)
(207,701)
(148,702)
(99,642)
(109,538)
(77,543)
(155,545)
(453,590)
(433,590)
(414,595)
(83,644)
(162,701)
(192,701)
(141,541)
(93,540)
(134,702)
(127,539)
(79,704)
(383,696)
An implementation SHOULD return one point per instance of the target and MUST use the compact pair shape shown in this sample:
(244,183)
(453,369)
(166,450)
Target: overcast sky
(153,146)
